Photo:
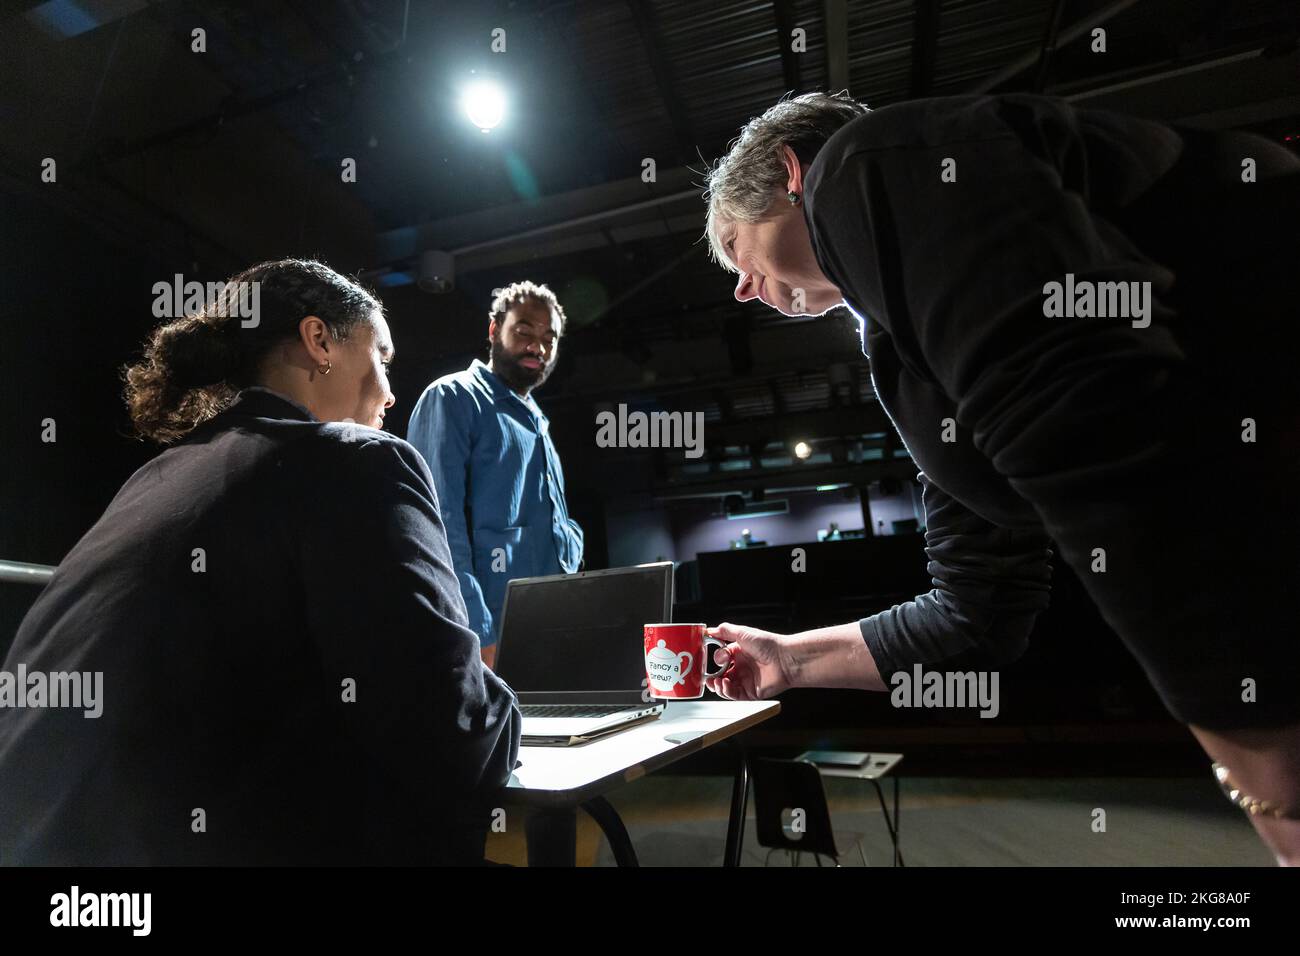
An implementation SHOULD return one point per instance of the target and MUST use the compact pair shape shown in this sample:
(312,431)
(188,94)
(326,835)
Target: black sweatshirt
(323,561)
(1085,432)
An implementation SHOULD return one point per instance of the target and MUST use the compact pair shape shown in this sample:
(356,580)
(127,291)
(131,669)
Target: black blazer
(235,589)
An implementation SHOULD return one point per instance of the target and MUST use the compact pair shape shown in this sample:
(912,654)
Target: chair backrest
(784,786)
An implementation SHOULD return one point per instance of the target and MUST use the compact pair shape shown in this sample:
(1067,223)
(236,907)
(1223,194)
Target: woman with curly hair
(270,606)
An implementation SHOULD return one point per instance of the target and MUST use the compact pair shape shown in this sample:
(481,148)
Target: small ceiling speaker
(437,271)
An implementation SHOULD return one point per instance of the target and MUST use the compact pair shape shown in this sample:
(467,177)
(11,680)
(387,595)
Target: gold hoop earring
(325,369)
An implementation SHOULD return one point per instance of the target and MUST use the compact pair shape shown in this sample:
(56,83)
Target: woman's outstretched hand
(761,663)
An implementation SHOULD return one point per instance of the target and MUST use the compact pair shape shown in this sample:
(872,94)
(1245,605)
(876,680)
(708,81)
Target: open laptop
(572,647)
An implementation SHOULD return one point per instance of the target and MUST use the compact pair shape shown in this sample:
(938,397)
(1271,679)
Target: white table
(555,781)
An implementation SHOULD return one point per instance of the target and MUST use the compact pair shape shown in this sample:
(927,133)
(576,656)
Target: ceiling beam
(783,10)
(1071,33)
(644,20)
(724,483)
(925,47)
(778,400)
(846,421)
(835,17)
(568,223)
(235,107)
(1050,41)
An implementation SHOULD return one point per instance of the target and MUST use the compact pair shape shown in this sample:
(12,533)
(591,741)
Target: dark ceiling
(230,156)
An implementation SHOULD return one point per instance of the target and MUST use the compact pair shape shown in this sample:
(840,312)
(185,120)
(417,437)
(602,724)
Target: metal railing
(24,573)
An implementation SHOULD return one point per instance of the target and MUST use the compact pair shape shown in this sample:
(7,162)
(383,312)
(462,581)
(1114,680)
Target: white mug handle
(690,662)
(708,657)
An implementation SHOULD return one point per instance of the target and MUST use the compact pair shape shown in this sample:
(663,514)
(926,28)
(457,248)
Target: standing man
(498,478)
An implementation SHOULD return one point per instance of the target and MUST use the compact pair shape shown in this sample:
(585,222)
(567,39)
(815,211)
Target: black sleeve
(386,611)
(989,585)
(957,273)
(1116,428)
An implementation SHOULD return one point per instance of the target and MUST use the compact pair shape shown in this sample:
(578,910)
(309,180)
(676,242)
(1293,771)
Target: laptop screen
(582,633)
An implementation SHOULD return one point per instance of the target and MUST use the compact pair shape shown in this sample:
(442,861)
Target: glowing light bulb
(484,104)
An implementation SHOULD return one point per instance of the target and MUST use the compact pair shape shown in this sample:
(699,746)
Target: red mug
(675,662)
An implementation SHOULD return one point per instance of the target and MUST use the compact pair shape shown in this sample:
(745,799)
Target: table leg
(612,826)
(552,836)
(891,825)
(739,800)
(898,826)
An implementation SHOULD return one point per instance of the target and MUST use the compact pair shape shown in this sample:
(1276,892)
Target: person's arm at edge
(574,533)
(990,583)
(440,430)
(426,710)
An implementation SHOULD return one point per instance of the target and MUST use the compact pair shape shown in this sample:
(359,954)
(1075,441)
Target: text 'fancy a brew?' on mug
(675,660)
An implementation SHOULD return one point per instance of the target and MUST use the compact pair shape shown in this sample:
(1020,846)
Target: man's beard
(508,369)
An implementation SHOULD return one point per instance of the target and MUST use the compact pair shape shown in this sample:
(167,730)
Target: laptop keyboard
(569,710)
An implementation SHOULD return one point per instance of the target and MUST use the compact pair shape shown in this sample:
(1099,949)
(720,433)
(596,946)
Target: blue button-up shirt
(500,488)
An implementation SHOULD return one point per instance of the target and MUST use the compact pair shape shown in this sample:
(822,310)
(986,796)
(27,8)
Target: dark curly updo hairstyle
(194,366)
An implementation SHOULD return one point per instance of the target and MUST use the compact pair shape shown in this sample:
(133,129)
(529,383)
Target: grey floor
(681,821)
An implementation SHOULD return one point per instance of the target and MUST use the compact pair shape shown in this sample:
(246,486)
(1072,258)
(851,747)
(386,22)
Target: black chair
(782,786)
